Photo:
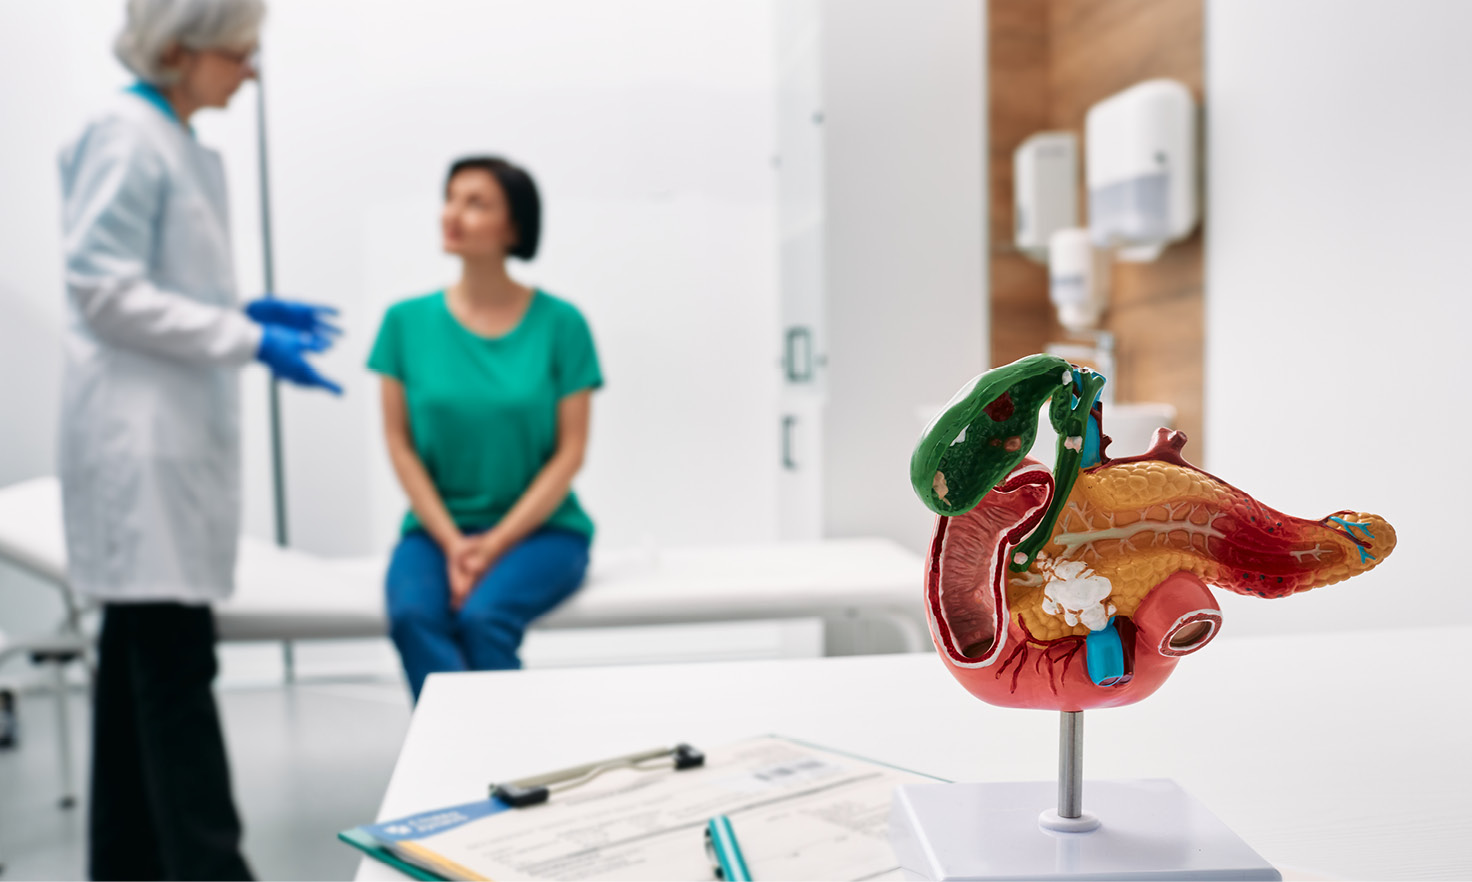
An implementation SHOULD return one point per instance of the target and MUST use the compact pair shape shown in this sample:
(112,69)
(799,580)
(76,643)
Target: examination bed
(862,588)
(285,594)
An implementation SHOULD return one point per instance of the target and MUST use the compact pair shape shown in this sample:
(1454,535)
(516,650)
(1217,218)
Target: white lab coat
(150,435)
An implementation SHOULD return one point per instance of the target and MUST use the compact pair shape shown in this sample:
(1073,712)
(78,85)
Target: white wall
(30,272)
(905,149)
(1338,312)
(649,127)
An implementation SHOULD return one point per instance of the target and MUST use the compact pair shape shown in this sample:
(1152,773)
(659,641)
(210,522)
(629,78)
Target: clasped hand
(468,559)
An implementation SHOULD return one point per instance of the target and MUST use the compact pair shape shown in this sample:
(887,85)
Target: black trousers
(161,804)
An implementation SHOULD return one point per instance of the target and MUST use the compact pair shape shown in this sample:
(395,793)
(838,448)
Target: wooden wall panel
(1018,106)
(1088,50)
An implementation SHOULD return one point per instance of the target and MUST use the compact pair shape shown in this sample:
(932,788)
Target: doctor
(150,435)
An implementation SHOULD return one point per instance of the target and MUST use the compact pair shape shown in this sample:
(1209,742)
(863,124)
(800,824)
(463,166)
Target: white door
(801,257)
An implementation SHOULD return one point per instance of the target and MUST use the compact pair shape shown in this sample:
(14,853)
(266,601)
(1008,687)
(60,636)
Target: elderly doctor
(150,450)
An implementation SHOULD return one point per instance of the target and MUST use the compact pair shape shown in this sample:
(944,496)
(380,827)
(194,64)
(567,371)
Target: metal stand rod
(63,733)
(268,277)
(1071,764)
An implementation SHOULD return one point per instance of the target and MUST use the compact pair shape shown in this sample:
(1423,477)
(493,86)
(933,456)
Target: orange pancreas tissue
(1130,523)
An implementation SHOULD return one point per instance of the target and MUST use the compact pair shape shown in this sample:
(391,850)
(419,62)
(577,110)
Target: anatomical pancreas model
(1080,587)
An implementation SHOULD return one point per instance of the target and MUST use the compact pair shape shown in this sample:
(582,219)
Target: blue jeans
(528,581)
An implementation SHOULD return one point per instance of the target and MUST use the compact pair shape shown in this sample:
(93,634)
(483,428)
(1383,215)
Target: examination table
(862,588)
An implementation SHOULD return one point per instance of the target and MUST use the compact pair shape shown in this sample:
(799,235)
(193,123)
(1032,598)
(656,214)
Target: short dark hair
(522,201)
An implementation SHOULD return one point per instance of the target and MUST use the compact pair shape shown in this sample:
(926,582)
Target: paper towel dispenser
(1141,168)
(1044,190)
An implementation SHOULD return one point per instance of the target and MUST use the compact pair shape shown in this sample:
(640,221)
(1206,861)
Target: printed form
(799,812)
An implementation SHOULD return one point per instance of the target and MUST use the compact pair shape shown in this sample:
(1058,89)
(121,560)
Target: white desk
(1327,761)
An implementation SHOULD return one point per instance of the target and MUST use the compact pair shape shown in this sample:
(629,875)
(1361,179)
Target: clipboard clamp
(539,788)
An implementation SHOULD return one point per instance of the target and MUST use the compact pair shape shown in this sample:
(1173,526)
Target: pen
(724,852)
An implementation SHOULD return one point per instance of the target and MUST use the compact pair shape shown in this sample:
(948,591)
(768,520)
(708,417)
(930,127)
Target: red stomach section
(988,650)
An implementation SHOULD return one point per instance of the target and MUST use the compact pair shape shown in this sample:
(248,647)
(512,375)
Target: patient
(486,395)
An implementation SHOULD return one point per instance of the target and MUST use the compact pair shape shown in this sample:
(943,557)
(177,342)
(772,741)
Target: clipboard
(539,788)
(374,849)
(800,810)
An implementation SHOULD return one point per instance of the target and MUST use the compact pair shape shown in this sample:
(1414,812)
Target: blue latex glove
(285,352)
(291,314)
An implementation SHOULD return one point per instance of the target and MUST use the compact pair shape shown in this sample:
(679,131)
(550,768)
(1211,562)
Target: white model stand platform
(1142,829)
(1149,829)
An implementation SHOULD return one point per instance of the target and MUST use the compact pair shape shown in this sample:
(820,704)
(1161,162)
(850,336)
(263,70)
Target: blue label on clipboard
(437,821)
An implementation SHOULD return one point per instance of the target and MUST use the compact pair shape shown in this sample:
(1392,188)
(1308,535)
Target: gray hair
(153,26)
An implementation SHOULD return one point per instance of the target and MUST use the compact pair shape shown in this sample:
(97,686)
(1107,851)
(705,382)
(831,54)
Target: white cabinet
(880,111)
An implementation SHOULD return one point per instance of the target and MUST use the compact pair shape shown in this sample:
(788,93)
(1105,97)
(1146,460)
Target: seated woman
(486,394)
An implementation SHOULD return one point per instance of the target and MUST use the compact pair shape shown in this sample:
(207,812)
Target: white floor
(313,757)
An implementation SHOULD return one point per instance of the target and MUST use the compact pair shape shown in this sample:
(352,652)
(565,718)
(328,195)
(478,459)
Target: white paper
(799,812)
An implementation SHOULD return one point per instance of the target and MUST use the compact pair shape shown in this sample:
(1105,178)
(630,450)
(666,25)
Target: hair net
(155,25)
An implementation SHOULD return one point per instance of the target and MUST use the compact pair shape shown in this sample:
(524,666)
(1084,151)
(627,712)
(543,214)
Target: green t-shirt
(483,410)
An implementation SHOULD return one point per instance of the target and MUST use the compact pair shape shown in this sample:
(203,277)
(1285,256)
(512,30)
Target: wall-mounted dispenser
(1044,190)
(1078,279)
(1142,168)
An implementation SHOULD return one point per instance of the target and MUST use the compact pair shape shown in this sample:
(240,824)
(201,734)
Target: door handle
(799,370)
(788,421)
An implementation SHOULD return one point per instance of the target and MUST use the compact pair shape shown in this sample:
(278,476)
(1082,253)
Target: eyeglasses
(250,58)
